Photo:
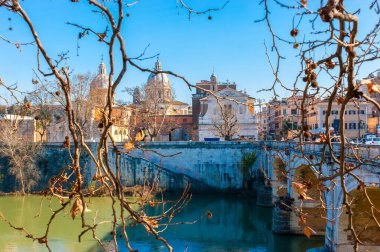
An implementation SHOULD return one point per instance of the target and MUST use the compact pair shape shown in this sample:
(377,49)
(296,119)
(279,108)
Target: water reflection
(237,225)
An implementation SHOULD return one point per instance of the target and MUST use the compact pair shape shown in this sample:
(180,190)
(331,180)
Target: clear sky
(231,43)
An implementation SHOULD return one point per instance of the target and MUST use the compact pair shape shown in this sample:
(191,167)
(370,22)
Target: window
(352,112)
(352,126)
(345,125)
(294,112)
(284,111)
(335,112)
(241,110)
(324,112)
(228,107)
(362,112)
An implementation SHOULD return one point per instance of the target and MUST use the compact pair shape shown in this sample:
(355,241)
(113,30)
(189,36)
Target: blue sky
(231,43)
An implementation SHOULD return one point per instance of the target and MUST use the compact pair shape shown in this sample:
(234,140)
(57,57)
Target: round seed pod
(294,32)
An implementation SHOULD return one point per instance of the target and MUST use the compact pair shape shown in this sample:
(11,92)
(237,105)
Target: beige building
(24,126)
(282,119)
(355,116)
(373,117)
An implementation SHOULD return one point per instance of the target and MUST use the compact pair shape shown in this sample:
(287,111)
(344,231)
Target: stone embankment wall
(51,160)
(206,165)
(215,164)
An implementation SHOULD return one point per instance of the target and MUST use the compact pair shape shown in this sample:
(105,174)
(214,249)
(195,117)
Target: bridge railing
(362,150)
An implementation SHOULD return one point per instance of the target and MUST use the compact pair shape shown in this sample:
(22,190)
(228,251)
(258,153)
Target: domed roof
(101,79)
(160,79)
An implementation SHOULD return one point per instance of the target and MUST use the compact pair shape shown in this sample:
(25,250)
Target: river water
(237,225)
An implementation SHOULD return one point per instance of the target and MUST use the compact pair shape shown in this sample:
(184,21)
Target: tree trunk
(22,189)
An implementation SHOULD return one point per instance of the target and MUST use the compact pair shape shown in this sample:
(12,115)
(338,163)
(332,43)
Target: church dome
(101,79)
(160,79)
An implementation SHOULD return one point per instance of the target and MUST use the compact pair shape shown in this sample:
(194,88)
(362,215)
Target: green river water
(237,225)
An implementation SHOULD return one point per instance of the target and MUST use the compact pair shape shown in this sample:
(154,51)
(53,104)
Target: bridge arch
(337,238)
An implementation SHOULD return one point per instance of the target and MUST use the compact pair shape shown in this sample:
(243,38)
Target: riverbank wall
(207,166)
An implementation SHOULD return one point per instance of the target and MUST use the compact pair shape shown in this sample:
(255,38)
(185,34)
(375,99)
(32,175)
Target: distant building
(155,110)
(23,126)
(158,93)
(283,118)
(261,119)
(99,86)
(373,116)
(211,85)
(355,116)
(232,116)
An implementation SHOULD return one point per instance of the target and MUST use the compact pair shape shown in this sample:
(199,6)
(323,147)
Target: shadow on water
(237,225)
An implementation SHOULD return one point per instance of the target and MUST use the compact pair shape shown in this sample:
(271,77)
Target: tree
(226,124)
(331,51)
(84,103)
(151,112)
(289,125)
(330,48)
(42,111)
(20,151)
(108,175)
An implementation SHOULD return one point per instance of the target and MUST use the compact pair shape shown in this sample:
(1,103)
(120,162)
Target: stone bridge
(285,221)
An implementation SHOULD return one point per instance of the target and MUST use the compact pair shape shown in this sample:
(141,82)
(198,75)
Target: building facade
(212,85)
(155,111)
(226,116)
(373,115)
(284,118)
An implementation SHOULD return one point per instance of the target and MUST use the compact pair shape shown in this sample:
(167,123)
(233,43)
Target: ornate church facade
(226,116)
(156,111)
